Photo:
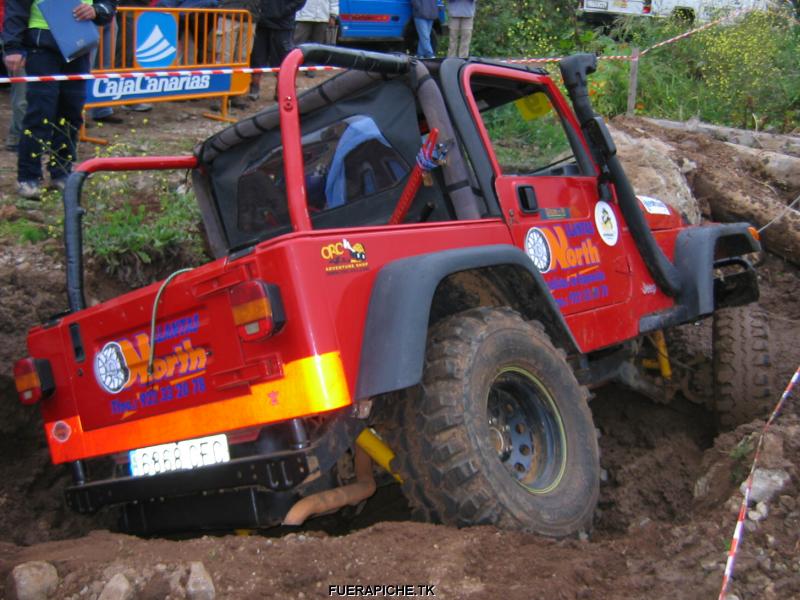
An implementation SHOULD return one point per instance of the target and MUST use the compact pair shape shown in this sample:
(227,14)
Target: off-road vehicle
(425,264)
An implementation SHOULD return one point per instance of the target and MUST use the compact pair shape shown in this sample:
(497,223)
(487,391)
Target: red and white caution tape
(136,74)
(737,532)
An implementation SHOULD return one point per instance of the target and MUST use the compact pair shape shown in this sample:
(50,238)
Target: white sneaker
(29,189)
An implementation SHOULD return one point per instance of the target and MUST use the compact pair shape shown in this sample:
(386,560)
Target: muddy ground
(669,493)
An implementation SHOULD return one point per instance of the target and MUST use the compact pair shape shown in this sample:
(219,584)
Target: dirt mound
(673,542)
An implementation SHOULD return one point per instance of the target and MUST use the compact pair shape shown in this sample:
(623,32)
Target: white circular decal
(110,368)
(538,249)
(606,222)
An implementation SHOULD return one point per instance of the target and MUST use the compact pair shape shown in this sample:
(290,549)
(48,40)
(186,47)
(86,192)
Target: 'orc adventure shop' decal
(344,257)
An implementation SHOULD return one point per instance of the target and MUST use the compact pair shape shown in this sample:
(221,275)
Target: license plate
(596,4)
(180,456)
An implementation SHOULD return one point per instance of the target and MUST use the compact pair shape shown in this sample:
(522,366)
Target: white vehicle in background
(605,11)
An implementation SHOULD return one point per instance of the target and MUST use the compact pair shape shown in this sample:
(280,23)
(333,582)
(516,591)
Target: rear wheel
(500,432)
(743,388)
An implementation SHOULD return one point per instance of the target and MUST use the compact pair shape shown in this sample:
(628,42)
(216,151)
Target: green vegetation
(138,226)
(743,74)
(23,230)
(128,229)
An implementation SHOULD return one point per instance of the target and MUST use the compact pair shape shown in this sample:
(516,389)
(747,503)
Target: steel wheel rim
(526,430)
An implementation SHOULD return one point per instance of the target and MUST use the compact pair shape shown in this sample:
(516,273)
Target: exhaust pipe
(332,500)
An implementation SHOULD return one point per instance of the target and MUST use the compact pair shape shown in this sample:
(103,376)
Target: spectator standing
(18,102)
(273,37)
(54,113)
(425,12)
(314,21)
(460,16)
(235,38)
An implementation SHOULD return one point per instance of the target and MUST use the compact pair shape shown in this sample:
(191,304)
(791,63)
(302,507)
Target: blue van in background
(382,24)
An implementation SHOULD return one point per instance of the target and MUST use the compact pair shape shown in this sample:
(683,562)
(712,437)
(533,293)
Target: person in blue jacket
(54,113)
(425,12)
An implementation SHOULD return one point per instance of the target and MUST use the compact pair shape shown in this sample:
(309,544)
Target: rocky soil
(670,481)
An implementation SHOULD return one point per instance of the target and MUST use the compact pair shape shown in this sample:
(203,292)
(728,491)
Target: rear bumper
(252,491)
(274,474)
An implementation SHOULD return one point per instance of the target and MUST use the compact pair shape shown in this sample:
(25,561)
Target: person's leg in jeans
(69,118)
(41,113)
(465,36)
(424,48)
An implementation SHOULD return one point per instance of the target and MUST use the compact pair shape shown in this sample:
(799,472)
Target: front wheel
(500,431)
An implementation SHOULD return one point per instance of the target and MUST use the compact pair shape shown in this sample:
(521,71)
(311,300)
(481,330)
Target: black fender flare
(396,327)
(696,251)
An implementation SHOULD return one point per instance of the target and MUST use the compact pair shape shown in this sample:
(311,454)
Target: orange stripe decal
(310,386)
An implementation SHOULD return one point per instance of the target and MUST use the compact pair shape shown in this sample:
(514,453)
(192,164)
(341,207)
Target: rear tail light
(34,380)
(257,310)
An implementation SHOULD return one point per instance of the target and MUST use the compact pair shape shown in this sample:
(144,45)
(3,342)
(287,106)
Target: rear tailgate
(204,379)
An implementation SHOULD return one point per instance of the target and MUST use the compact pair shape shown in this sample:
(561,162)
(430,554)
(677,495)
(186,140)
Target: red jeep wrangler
(446,331)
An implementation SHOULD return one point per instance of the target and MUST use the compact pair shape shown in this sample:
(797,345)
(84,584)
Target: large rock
(766,483)
(200,586)
(36,580)
(653,171)
(117,588)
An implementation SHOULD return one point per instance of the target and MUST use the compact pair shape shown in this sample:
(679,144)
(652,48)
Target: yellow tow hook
(377,450)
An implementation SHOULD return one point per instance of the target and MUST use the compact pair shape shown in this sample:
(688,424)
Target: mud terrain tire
(743,388)
(389,420)
(500,432)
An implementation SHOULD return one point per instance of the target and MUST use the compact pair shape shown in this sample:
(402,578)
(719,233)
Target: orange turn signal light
(257,309)
(33,379)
